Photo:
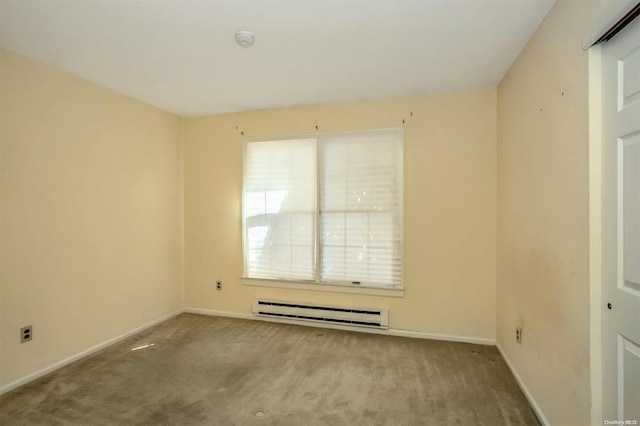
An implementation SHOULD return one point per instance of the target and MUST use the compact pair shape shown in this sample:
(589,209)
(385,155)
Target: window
(325,209)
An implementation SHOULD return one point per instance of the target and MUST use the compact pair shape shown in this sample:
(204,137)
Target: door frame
(595,232)
(611,14)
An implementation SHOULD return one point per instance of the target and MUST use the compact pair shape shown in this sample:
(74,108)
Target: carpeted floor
(199,370)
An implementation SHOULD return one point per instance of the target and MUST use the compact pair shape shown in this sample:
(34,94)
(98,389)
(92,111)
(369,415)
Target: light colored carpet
(220,371)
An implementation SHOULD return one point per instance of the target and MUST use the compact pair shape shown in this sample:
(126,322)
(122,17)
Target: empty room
(320,212)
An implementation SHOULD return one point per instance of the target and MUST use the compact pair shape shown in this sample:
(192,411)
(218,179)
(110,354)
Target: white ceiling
(180,55)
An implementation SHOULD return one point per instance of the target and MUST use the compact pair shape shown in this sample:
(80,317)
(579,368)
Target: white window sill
(336,288)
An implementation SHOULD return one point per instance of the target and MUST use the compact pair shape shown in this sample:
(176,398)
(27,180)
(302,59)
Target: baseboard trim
(446,337)
(389,332)
(536,408)
(214,313)
(37,374)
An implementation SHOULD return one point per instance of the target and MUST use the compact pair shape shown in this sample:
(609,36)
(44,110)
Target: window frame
(317,284)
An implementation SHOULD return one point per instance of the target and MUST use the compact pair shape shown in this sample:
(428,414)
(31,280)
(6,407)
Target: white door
(621,225)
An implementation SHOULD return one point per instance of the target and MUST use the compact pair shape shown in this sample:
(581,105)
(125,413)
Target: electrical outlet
(519,335)
(219,285)
(26,334)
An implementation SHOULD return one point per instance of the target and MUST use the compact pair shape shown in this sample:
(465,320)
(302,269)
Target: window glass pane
(360,199)
(360,210)
(279,209)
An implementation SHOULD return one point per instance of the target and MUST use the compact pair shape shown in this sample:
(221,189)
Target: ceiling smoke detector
(245,38)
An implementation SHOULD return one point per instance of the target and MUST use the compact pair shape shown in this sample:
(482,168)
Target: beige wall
(91,197)
(543,206)
(449,209)
(92,225)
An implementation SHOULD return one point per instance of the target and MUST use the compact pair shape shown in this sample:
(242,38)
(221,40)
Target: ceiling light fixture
(245,38)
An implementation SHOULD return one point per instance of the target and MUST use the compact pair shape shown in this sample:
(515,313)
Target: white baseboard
(446,337)
(525,390)
(37,374)
(213,313)
(389,332)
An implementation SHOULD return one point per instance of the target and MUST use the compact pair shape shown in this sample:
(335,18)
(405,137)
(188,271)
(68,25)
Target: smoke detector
(245,38)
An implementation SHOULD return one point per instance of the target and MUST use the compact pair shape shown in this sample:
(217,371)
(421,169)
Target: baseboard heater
(361,317)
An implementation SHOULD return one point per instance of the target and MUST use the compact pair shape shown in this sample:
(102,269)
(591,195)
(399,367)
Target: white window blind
(280,209)
(348,186)
(360,209)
